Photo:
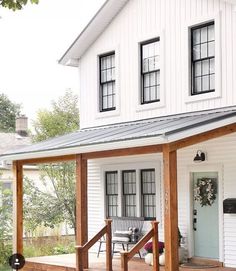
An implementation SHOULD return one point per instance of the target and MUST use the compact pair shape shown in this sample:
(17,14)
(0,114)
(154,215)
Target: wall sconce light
(200,156)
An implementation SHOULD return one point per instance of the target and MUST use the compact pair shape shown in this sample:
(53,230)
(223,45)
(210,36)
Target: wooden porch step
(206,261)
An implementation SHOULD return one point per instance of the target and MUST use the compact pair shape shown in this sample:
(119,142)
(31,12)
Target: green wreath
(205,191)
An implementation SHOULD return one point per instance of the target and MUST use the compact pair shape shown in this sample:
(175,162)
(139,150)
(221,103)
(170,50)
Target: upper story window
(150,71)
(111,193)
(129,192)
(107,82)
(203,58)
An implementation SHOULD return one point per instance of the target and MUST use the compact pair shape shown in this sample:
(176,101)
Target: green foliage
(36,249)
(62,119)
(61,249)
(16,4)
(54,201)
(5,253)
(5,224)
(5,268)
(8,113)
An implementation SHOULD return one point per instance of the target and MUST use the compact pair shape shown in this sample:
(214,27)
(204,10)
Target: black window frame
(148,194)
(124,195)
(193,88)
(101,84)
(157,39)
(111,195)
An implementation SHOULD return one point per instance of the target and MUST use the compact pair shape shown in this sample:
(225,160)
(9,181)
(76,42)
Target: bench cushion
(120,239)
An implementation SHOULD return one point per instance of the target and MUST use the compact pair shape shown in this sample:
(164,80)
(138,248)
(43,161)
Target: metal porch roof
(130,134)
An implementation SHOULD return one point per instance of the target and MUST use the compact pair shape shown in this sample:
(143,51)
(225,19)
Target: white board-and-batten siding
(221,157)
(141,20)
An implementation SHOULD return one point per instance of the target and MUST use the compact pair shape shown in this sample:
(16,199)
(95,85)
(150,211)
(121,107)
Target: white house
(157,81)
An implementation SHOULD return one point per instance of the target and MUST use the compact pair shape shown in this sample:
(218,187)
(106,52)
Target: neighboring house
(157,86)
(13,141)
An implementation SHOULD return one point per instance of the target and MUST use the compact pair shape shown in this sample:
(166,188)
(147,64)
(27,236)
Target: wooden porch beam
(17,207)
(81,205)
(170,209)
(45,160)
(191,140)
(124,152)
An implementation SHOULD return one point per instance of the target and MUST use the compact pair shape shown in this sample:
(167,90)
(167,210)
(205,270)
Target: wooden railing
(82,250)
(128,255)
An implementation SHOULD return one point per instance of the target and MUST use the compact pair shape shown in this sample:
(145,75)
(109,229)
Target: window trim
(106,205)
(125,194)
(142,102)
(142,194)
(186,76)
(101,109)
(137,165)
(199,26)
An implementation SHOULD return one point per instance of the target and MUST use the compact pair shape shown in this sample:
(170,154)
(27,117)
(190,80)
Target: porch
(163,137)
(67,262)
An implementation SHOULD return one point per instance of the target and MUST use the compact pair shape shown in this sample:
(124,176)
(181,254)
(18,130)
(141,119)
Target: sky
(31,43)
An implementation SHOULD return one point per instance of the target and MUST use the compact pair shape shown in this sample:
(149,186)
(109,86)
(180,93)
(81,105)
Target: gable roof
(94,28)
(12,142)
(92,31)
(146,132)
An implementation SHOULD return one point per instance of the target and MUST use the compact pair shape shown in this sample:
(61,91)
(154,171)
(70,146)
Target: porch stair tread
(206,261)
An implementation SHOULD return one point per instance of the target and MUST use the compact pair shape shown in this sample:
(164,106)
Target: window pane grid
(129,192)
(148,190)
(107,82)
(203,59)
(150,71)
(112,193)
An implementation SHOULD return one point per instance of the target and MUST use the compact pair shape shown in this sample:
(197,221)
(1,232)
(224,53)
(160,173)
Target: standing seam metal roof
(162,126)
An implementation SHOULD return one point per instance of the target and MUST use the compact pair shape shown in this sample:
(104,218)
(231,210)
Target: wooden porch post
(17,207)
(170,209)
(81,205)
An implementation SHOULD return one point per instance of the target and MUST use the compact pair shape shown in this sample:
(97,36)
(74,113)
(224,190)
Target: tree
(5,224)
(8,113)
(53,201)
(62,119)
(16,4)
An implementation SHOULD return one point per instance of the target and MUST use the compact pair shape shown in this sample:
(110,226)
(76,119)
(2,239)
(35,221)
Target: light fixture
(200,156)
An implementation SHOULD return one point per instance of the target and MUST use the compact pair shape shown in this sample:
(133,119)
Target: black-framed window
(203,58)
(107,82)
(129,192)
(111,193)
(150,71)
(148,193)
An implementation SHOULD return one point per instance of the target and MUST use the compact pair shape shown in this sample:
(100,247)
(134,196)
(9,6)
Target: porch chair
(121,234)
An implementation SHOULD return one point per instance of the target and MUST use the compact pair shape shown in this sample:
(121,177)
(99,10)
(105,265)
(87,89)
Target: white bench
(123,224)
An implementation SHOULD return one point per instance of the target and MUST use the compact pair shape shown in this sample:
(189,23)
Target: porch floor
(67,263)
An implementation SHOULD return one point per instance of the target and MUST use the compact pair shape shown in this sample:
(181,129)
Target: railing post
(79,258)
(155,246)
(108,245)
(124,260)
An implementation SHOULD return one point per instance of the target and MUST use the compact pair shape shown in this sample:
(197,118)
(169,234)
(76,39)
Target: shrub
(5,253)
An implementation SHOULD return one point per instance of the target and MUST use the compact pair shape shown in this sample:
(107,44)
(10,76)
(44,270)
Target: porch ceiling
(127,135)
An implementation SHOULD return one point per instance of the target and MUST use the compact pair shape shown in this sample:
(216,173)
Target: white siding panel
(221,153)
(138,21)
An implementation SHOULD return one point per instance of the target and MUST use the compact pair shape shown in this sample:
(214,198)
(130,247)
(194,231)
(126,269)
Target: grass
(5,268)
(37,249)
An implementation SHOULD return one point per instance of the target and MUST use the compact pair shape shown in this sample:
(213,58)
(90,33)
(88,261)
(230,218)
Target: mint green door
(206,219)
